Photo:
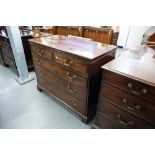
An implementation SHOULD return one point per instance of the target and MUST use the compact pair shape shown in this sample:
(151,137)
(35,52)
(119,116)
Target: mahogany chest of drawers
(127,93)
(68,68)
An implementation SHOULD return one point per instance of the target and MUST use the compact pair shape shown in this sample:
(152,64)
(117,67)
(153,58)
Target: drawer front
(71,76)
(42,51)
(61,84)
(70,62)
(134,87)
(104,123)
(69,100)
(134,104)
(122,117)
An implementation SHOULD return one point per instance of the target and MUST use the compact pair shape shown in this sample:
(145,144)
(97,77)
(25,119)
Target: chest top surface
(138,64)
(82,47)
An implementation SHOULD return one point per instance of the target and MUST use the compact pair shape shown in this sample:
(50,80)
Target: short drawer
(71,76)
(42,51)
(69,100)
(61,84)
(70,62)
(104,123)
(122,117)
(133,104)
(132,86)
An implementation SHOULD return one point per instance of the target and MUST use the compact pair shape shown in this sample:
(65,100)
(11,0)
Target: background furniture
(6,54)
(127,94)
(103,35)
(98,34)
(69,30)
(149,37)
(69,69)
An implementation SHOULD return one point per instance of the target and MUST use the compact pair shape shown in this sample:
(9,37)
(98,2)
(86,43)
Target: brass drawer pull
(71,101)
(38,50)
(71,90)
(71,77)
(136,107)
(68,63)
(39,61)
(143,91)
(125,123)
(41,53)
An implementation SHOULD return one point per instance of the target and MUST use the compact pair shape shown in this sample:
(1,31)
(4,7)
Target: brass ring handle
(136,107)
(40,53)
(71,77)
(39,61)
(71,101)
(68,63)
(71,89)
(125,123)
(143,91)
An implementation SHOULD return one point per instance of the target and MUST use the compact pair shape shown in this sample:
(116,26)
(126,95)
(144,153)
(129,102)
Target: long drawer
(134,87)
(71,76)
(69,100)
(103,122)
(61,84)
(122,117)
(133,104)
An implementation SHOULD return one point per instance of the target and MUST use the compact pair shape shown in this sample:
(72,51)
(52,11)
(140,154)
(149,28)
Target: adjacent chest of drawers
(127,94)
(69,69)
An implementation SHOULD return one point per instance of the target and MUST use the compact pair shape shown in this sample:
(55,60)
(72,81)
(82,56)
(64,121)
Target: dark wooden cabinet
(69,69)
(127,93)
(115,38)
(98,34)
(6,53)
(69,30)
(103,35)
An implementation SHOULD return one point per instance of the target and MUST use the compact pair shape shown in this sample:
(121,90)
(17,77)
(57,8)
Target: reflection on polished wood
(79,47)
